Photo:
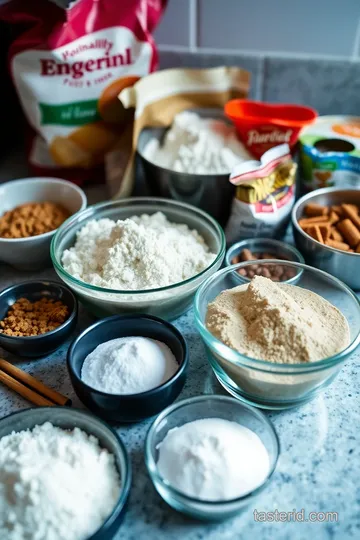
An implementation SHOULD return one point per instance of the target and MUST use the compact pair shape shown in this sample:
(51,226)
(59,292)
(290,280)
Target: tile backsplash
(330,86)
(307,52)
(309,27)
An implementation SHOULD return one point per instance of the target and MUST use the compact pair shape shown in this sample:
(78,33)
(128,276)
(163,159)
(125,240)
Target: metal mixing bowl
(213,193)
(340,264)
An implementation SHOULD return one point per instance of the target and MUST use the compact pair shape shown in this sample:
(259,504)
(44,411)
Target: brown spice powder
(278,323)
(32,219)
(26,318)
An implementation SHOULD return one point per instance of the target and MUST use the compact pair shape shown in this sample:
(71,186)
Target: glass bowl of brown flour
(277,345)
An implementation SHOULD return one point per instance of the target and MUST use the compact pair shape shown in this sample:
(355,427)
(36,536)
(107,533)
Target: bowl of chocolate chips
(260,249)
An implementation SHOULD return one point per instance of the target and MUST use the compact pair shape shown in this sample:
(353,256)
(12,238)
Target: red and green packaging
(68,67)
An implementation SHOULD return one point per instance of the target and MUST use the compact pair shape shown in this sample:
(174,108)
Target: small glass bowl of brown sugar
(258,249)
(36,317)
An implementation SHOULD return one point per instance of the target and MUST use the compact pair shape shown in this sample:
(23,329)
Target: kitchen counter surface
(318,470)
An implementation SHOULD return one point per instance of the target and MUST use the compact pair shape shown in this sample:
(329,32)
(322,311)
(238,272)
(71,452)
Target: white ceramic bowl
(33,252)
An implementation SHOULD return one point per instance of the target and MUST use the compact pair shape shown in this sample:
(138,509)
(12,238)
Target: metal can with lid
(330,153)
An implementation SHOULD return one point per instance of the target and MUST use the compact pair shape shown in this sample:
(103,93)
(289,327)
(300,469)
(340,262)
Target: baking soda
(129,365)
(213,459)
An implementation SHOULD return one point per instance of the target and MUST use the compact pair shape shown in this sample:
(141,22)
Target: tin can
(330,153)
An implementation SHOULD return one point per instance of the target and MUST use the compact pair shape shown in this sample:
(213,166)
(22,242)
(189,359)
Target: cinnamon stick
(314,210)
(37,386)
(24,391)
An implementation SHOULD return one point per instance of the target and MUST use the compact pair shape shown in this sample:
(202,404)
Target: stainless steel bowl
(340,264)
(213,193)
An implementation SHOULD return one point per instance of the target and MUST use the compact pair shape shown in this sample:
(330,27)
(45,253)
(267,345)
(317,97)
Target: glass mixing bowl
(196,408)
(166,302)
(265,384)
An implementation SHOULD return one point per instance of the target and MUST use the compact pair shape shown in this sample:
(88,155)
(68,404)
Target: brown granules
(32,219)
(26,318)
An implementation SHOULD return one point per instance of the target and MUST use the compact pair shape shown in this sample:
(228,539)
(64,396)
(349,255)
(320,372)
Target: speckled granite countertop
(318,470)
(319,465)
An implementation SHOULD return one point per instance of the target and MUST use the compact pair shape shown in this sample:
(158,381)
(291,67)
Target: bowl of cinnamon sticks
(326,226)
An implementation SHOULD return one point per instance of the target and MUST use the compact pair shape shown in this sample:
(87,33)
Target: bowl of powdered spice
(276,345)
(36,317)
(31,210)
(138,255)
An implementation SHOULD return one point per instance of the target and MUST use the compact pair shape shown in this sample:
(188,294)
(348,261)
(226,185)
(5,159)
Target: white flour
(143,252)
(213,459)
(129,365)
(197,145)
(54,484)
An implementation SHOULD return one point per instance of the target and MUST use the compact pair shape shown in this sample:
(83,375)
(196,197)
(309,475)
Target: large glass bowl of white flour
(306,336)
(138,255)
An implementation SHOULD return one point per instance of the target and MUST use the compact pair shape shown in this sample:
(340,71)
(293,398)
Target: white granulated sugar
(143,252)
(55,484)
(198,146)
(129,365)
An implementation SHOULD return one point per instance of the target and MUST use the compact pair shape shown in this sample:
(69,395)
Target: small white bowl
(33,252)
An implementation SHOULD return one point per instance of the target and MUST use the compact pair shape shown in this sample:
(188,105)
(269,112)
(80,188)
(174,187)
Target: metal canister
(330,153)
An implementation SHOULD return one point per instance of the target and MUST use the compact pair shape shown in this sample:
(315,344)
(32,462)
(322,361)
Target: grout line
(260,81)
(193,26)
(257,54)
(356,47)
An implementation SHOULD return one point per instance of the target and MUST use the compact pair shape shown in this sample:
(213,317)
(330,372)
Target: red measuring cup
(262,126)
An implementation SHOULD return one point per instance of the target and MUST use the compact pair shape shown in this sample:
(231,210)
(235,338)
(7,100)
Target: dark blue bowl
(126,407)
(35,346)
(69,418)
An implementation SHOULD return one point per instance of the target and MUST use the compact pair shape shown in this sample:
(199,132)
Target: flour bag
(68,65)
(265,194)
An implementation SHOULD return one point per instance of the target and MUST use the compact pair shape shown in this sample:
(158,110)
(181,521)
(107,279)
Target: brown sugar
(32,219)
(26,318)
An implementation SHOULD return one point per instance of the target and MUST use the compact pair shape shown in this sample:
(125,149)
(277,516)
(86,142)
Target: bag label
(69,114)
(59,89)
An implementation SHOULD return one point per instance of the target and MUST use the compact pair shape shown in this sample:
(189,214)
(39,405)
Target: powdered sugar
(54,484)
(143,252)
(129,365)
(197,145)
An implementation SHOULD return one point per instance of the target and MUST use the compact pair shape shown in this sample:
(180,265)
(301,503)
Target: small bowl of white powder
(211,456)
(127,368)
(64,474)
(138,255)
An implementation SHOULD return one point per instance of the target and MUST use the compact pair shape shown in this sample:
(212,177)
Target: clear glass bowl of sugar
(166,302)
(199,408)
(276,385)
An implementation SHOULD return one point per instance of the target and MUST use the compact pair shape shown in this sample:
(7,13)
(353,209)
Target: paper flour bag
(68,66)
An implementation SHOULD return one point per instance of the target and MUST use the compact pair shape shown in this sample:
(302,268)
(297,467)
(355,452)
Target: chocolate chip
(273,271)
